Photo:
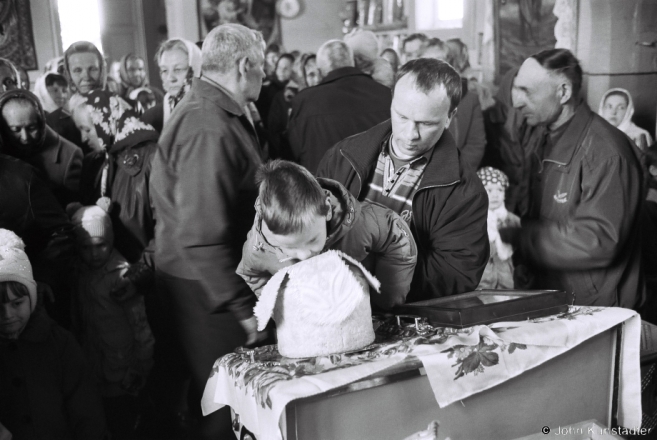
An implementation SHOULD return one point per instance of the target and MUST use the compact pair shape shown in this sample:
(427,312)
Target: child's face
(300,245)
(614,109)
(14,315)
(495,195)
(95,251)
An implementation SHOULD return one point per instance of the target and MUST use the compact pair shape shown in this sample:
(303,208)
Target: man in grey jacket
(582,231)
(203,193)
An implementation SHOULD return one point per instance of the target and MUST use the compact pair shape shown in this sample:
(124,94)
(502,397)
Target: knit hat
(14,264)
(492,175)
(92,221)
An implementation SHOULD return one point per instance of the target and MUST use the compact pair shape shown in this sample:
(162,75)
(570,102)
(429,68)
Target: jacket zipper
(421,189)
(360,179)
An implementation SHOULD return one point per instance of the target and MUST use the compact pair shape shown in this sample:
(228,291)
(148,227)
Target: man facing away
(346,101)
(582,230)
(203,193)
(411,165)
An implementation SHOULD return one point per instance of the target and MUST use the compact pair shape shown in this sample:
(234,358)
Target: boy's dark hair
(290,197)
(429,74)
(18,289)
(417,36)
(562,61)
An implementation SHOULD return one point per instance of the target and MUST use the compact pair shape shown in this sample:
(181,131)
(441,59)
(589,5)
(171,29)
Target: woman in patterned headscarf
(120,166)
(179,61)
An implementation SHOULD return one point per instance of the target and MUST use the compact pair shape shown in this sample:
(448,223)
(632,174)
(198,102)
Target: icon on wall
(16,38)
(255,14)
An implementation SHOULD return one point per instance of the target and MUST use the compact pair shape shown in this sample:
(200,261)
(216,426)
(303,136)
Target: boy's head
(496,183)
(18,296)
(294,209)
(94,234)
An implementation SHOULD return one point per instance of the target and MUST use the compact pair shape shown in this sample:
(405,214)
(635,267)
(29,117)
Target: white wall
(318,22)
(47,40)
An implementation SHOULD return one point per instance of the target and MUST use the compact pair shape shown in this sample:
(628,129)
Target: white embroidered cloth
(458,363)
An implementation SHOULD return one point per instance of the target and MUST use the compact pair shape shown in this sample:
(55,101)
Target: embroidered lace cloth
(458,364)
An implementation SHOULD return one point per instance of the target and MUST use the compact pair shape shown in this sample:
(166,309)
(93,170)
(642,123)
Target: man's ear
(565,91)
(451,116)
(243,66)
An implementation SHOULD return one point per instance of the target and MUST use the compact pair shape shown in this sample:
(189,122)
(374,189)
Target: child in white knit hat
(111,327)
(46,386)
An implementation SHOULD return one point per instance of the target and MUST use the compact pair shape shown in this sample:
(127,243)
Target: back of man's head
(333,55)
(429,74)
(562,62)
(365,48)
(290,197)
(227,44)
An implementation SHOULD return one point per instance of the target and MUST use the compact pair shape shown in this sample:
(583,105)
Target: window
(438,14)
(79,20)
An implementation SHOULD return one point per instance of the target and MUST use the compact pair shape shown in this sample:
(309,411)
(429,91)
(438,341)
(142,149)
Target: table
(500,381)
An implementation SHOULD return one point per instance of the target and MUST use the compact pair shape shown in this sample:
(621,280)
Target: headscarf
(117,125)
(17,76)
(194,57)
(627,126)
(492,175)
(41,92)
(32,99)
(85,47)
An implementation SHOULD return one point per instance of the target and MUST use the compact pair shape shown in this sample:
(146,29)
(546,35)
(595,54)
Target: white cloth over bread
(321,306)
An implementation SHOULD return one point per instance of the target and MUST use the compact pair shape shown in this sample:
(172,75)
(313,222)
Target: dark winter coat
(467,127)
(47,389)
(583,231)
(346,102)
(450,210)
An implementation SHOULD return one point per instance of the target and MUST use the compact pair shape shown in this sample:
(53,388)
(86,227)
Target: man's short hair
(290,197)
(417,36)
(442,46)
(334,54)
(562,62)
(429,74)
(226,44)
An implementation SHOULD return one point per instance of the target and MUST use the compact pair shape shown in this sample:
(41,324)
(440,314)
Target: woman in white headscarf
(617,108)
(179,61)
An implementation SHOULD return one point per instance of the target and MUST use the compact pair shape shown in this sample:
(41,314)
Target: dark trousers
(198,336)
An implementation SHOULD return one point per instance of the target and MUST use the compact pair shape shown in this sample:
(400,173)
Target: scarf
(123,73)
(627,126)
(31,97)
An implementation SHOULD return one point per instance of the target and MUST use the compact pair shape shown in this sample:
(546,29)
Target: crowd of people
(138,225)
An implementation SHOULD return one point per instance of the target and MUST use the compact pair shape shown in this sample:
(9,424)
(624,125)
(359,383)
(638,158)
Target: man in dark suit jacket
(345,103)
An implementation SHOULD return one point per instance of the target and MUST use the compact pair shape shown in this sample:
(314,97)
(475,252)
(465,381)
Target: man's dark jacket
(450,210)
(346,102)
(583,234)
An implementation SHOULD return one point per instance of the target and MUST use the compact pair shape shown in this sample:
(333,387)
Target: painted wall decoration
(255,14)
(524,28)
(16,38)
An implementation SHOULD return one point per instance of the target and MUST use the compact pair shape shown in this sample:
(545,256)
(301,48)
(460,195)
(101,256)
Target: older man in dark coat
(346,102)
(582,230)
(203,192)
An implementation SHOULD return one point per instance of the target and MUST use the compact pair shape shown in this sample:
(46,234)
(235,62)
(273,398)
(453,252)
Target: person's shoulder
(16,167)
(606,141)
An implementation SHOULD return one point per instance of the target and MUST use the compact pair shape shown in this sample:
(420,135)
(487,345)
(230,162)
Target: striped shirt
(395,181)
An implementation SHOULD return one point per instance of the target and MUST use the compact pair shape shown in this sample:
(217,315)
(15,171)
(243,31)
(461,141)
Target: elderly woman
(119,167)
(27,137)
(617,107)
(179,61)
(85,68)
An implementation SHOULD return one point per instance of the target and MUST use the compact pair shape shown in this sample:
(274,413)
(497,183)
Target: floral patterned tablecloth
(458,363)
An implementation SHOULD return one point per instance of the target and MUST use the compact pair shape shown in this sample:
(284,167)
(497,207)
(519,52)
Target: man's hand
(250,326)
(510,236)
